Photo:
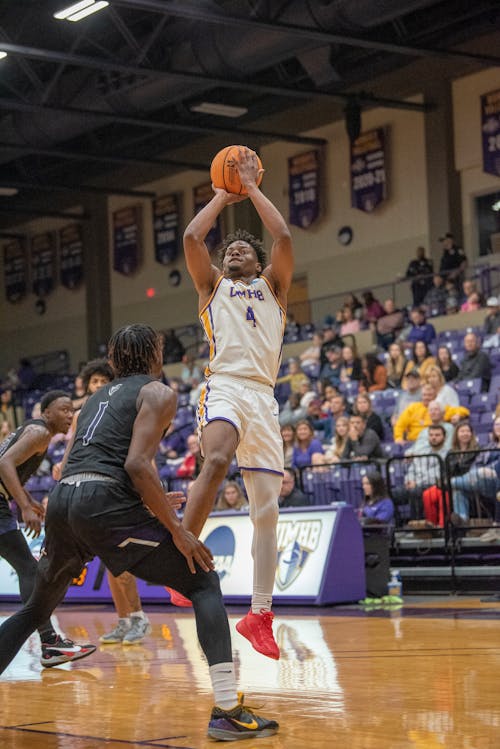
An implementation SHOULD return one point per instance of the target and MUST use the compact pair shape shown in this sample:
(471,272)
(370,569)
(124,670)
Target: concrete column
(443,181)
(97,273)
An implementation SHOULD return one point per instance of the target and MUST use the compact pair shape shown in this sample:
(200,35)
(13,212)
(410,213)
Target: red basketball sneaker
(258,629)
(177,599)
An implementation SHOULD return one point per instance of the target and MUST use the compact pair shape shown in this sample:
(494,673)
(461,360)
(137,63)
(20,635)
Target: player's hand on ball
(229,197)
(248,167)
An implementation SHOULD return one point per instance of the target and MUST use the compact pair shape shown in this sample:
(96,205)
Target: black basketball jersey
(104,429)
(28,468)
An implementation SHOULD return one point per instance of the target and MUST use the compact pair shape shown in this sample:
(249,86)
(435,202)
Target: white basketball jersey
(244,326)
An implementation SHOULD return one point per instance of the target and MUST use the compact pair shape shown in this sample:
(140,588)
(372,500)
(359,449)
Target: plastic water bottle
(395,586)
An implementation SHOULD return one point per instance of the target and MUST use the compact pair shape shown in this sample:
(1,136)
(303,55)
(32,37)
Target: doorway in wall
(299,305)
(488,222)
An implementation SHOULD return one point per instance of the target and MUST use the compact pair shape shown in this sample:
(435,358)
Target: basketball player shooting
(242,311)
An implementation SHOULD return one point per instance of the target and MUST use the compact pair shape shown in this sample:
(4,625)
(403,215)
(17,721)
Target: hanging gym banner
(304,188)
(368,170)
(166,227)
(71,256)
(15,270)
(127,240)
(202,195)
(490,132)
(43,263)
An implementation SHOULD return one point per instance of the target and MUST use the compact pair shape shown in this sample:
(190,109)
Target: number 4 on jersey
(251,316)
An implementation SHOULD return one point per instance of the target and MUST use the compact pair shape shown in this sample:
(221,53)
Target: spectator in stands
(173,348)
(372,309)
(335,450)
(453,261)
(363,405)
(374,374)
(351,365)
(191,374)
(334,407)
(321,423)
(420,270)
(292,412)
(395,365)
(349,325)
(292,327)
(362,443)
(476,363)
(421,360)
(10,410)
(5,429)
(331,371)
(492,318)
(191,464)
(173,443)
(310,357)
(329,392)
(330,338)
(288,437)
(291,495)
(446,364)
(306,444)
(352,301)
(436,414)
(416,416)
(389,326)
(446,394)
(421,330)
(462,456)
(295,376)
(472,303)
(479,480)
(424,472)
(307,393)
(78,393)
(435,300)
(412,394)
(377,507)
(26,374)
(231,497)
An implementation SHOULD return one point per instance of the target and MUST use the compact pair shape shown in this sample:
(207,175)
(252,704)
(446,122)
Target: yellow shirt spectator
(416,416)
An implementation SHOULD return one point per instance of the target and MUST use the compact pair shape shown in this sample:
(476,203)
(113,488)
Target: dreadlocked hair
(133,349)
(243,236)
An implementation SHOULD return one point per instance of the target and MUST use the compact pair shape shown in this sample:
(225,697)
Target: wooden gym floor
(423,677)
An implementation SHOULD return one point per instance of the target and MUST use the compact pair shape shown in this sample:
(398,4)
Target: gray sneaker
(138,630)
(117,634)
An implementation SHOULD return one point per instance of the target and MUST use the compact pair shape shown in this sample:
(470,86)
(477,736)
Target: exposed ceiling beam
(99,63)
(11,235)
(197,12)
(25,149)
(91,189)
(16,210)
(22,106)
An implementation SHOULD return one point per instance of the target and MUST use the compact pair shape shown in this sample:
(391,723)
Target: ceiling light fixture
(8,191)
(221,110)
(2,54)
(496,206)
(80,10)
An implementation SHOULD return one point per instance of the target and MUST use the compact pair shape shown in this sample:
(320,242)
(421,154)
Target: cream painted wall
(468,148)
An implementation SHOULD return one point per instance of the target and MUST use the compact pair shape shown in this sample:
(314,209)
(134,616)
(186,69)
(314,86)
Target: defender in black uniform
(110,503)
(20,455)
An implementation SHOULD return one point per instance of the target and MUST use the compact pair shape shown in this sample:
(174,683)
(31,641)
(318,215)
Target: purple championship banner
(490,132)
(368,170)
(304,188)
(71,256)
(202,195)
(166,228)
(127,240)
(15,270)
(43,263)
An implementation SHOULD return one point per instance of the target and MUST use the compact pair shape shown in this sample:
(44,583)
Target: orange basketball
(224,173)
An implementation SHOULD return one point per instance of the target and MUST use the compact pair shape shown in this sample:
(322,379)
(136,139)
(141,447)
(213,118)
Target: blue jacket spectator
(420,330)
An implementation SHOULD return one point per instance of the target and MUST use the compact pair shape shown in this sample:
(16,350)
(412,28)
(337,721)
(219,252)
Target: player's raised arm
(198,261)
(280,270)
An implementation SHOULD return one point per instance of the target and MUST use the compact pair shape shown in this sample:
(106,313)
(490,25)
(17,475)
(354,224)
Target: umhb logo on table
(222,544)
(296,541)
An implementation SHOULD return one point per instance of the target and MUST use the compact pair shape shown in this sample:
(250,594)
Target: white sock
(139,614)
(224,685)
(261,602)
(125,620)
